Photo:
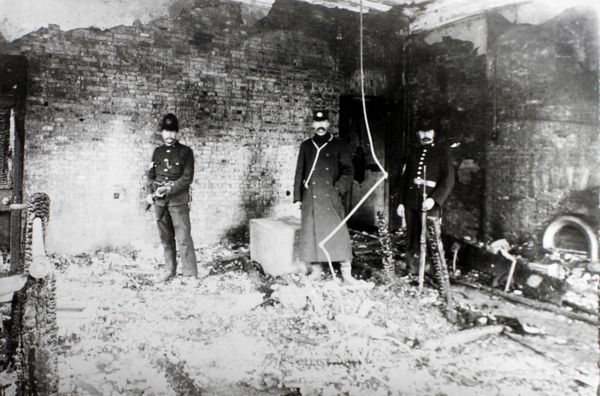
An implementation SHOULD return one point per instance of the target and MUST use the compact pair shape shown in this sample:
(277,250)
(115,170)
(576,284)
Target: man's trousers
(174,226)
(435,248)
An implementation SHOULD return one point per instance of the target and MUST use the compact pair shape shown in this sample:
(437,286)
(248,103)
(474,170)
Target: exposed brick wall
(243,97)
(526,117)
(450,78)
(543,162)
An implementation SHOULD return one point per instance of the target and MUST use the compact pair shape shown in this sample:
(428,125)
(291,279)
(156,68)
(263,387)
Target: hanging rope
(384,173)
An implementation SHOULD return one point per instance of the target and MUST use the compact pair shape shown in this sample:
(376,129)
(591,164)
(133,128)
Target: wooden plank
(531,303)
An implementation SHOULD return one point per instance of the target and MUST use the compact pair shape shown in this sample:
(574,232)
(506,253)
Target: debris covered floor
(237,332)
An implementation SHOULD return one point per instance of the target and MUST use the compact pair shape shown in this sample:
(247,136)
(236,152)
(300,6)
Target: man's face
(169,137)
(320,127)
(426,137)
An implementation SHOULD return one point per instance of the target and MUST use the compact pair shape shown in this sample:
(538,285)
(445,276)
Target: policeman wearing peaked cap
(324,173)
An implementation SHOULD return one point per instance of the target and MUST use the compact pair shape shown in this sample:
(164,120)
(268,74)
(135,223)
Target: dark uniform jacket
(321,197)
(440,176)
(173,166)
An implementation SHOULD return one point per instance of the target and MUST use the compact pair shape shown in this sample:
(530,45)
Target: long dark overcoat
(321,197)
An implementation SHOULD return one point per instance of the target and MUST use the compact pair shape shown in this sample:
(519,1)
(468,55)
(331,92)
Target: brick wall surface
(243,95)
(96,98)
(543,162)
(449,79)
(524,118)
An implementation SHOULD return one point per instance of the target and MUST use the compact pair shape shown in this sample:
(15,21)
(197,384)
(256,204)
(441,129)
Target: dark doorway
(13,94)
(366,172)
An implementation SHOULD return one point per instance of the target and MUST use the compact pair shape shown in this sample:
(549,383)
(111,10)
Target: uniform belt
(429,183)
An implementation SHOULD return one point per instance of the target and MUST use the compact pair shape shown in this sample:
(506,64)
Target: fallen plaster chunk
(351,323)
(291,296)
(359,326)
(365,308)
(460,338)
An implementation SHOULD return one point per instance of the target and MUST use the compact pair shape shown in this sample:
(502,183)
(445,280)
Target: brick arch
(571,221)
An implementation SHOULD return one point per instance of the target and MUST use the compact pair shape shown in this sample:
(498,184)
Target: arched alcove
(568,225)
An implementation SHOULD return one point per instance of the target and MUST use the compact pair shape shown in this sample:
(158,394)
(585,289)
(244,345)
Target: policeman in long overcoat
(324,173)
(429,165)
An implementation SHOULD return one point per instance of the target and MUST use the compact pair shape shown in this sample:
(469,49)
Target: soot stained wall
(543,160)
(524,116)
(449,79)
(243,95)
(96,97)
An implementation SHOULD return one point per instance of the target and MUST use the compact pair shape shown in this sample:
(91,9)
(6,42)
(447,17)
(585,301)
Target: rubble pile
(240,332)
(221,330)
(569,267)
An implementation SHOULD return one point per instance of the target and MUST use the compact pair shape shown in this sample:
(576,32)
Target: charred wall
(449,80)
(523,117)
(243,96)
(543,154)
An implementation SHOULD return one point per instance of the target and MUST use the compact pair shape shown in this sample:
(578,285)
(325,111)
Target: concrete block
(274,245)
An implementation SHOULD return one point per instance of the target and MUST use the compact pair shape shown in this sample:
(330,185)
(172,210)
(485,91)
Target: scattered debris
(533,303)
(388,261)
(460,338)
(581,375)
(241,332)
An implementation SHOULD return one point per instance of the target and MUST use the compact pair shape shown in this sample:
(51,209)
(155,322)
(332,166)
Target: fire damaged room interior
(299,197)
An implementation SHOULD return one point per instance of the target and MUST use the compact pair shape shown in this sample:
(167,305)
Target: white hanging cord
(385,174)
(364,105)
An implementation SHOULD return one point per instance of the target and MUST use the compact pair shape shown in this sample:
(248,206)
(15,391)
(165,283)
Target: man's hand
(298,204)
(149,199)
(161,191)
(428,204)
(400,210)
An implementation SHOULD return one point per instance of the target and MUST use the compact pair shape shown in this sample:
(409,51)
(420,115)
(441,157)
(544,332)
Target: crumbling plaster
(18,18)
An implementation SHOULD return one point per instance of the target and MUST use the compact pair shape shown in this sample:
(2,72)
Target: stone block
(274,245)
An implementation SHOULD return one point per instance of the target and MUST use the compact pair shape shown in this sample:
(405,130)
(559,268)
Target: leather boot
(346,270)
(166,277)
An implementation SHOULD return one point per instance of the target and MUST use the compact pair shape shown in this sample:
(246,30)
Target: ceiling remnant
(19,18)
